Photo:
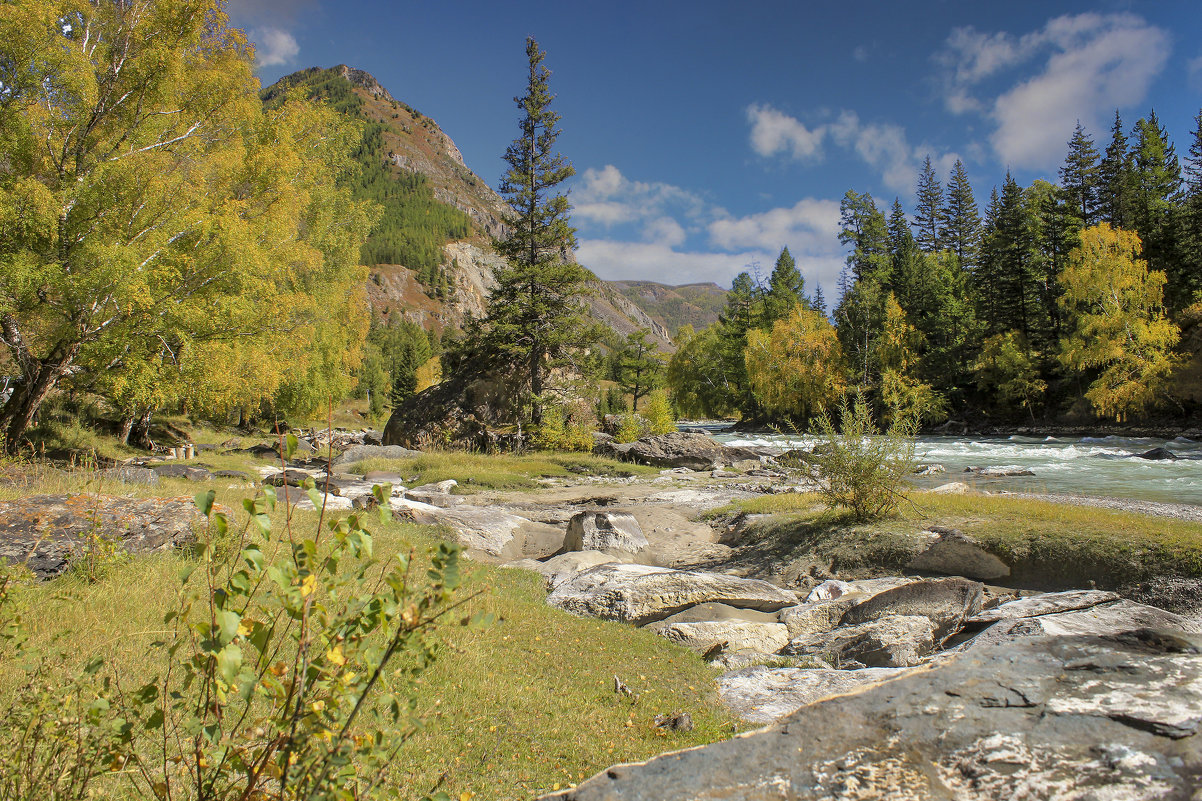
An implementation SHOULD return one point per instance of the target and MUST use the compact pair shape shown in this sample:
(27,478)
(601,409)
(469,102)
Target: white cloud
(1194,70)
(883,146)
(1087,65)
(860,53)
(809,225)
(665,230)
(608,198)
(274,47)
(775,132)
(655,261)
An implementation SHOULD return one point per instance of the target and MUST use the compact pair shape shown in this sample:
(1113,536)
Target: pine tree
(640,366)
(1079,177)
(818,302)
(905,259)
(1157,182)
(534,315)
(786,288)
(863,229)
(1018,298)
(1191,215)
(1115,179)
(986,279)
(962,223)
(928,209)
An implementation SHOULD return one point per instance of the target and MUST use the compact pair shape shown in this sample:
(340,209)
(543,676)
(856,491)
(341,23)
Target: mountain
(697,305)
(431,254)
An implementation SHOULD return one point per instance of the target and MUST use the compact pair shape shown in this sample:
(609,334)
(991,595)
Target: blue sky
(707,135)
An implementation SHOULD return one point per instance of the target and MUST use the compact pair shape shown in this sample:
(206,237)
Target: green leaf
(314,496)
(227,625)
(221,523)
(229,663)
(291,443)
(204,501)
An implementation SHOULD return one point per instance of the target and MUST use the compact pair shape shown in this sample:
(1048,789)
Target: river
(1094,466)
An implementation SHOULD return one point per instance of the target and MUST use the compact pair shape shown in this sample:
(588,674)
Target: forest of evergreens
(1057,300)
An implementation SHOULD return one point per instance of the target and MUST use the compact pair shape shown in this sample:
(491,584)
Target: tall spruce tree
(862,227)
(986,279)
(961,221)
(1191,216)
(1018,296)
(1115,179)
(1079,177)
(906,259)
(535,318)
(1157,182)
(786,289)
(928,210)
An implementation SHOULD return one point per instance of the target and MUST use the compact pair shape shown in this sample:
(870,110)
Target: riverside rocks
(1046,718)
(692,451)
(604,531)
(45,532)
(762,694)
(946,603)
(1111,618)
(731,635)
(1046,604)
(641,594)
(895,641)
(954,553)
(361,453)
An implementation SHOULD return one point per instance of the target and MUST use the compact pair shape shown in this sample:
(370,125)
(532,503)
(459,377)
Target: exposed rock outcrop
(1041,719)
(45,532)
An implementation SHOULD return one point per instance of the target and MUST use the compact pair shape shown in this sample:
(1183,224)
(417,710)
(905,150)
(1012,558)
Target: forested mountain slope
(431,254)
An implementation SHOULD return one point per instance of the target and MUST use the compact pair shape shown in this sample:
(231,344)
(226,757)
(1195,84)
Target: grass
(1046,544)
(476,472)
(519,709)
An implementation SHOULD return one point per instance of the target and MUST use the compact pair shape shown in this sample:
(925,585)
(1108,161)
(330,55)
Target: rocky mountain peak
(364,80)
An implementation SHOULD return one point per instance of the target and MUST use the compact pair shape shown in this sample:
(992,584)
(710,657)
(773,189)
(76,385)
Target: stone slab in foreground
(45,532)
(1039,719)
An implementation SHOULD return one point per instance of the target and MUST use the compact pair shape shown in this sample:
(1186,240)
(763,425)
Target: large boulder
(45,532)
(642,594)
(1040,719)
(1047,603)
(899,641)
(604,531)
(815,617)
(488,533)
(762,694)
(361,453)
(1104,619)
(692,451)
(558,569)
(947,603)
(731,635)
(471,409)
(954,553)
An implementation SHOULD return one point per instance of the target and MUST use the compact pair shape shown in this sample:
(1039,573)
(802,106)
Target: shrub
(658,412)
(630,428)
(861,469)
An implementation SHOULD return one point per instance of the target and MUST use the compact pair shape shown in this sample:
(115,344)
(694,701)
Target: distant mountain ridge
(697,305)
(438,214)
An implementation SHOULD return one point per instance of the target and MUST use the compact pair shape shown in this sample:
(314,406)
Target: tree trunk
(141,431)
(17,415)
(127,424)
(536,385)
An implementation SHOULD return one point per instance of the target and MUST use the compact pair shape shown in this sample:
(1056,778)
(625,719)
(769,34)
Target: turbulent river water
(1101,466)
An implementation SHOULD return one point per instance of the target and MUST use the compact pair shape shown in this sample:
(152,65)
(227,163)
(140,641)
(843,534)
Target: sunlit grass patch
(476,471)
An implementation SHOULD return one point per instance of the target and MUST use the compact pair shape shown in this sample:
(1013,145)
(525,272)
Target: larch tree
(796,369)
(639,366)
(535,319)
(1118,330)
(148,207)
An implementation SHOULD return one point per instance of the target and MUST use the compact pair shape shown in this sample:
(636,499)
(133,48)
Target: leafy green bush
(630,428)
(860,469)
(285,672)
(658,412)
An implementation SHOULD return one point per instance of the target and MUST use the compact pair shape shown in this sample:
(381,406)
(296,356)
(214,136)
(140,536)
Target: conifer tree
(1115,179)
(863,229)
(818,302)
(786,288)
(1191,215)
(1157,184)
(640,366)
(905,259)
(1018,298)
(986,278)
(1079,177)
(961,221)
(535,318)
(928,210)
